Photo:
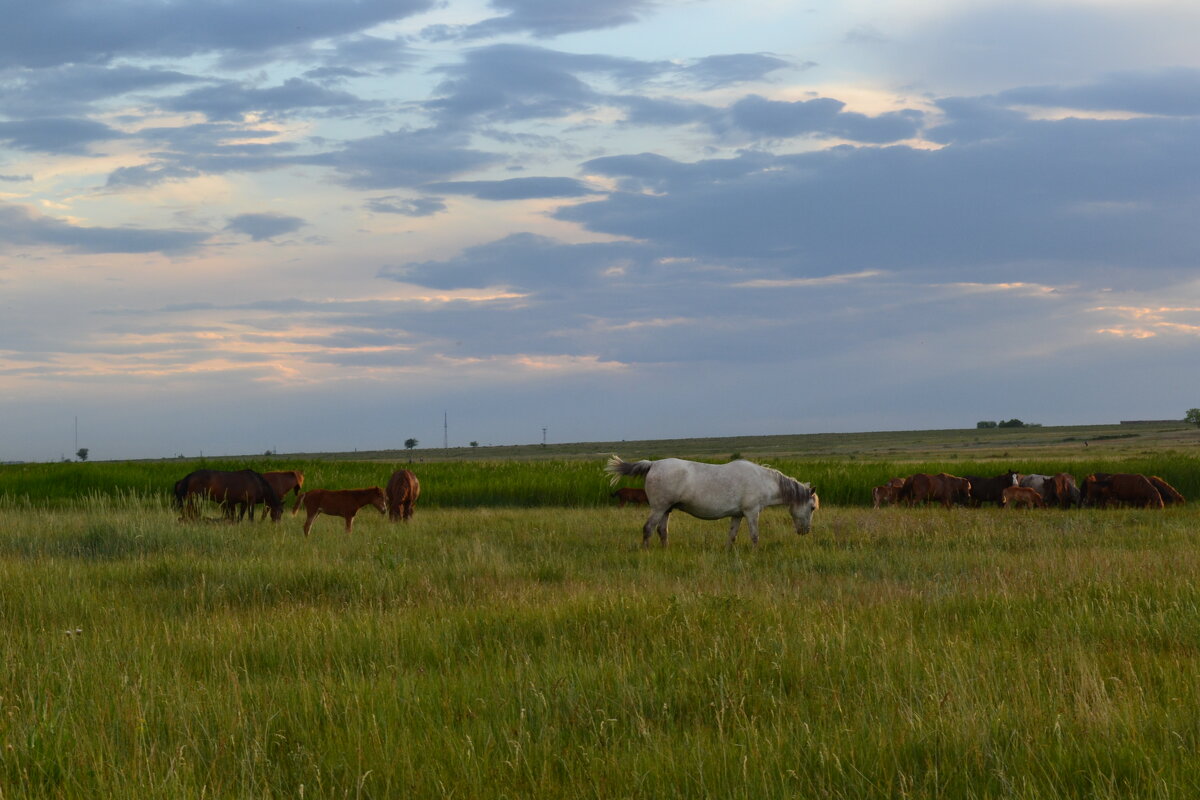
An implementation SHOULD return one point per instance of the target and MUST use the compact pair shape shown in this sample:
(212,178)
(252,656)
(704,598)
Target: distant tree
(82,454)
(409,444)
(1192,416)
(1011,423)
(474,444)
(984,423)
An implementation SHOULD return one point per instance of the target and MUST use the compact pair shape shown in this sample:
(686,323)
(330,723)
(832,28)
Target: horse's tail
(619,467)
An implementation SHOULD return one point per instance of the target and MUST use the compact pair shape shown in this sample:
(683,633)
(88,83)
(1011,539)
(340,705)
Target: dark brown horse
(244,489)
(403,489)
(343,503)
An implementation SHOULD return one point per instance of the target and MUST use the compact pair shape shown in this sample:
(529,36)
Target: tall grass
(504,652)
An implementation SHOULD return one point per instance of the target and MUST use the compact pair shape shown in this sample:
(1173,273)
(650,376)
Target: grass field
(524,645)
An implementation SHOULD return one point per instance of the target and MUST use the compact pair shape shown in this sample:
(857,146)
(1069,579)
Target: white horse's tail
(619,467)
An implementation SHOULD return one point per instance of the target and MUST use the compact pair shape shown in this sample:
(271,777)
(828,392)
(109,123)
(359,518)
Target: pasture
(514,640)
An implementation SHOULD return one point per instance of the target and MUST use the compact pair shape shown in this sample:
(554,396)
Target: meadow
(514,640)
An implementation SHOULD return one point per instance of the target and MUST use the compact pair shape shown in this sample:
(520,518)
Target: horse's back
(709,491)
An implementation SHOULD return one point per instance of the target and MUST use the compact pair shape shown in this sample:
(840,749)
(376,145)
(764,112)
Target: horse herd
(1014,490)
(240,491)
(736,490)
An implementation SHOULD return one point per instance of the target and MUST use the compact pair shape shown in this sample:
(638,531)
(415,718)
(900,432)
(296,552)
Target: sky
(329,225)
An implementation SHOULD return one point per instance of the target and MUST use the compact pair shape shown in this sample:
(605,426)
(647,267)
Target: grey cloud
(548,18)
(404,158)
(523,260)
(1173,92)
(1070,192)
(516,188)
(74,87)
(713,72)
(821,116)
(260,227)
(51,34)
(56,135)
(231,101)
(187,151)
(15,178)
(20,227)
(664,111)
(517,82)
(415,207)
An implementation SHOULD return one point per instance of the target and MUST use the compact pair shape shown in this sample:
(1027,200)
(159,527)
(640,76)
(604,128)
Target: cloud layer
(745,233)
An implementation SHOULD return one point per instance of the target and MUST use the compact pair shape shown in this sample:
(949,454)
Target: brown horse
(244,488)
(291,480)
(403,489)
(343,503)
(630,495)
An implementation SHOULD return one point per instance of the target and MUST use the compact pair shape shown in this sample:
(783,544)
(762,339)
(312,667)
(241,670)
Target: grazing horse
(987,490)
(1170,495)
(944,488)
(343,503)
(630,495)
(1065,491)
(291,480)
(715,491)
(887,493)
(1021,497)
(403,489)
(243,488)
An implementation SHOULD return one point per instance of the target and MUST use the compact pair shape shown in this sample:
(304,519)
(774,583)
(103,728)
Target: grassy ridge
(535,484)
(527,652)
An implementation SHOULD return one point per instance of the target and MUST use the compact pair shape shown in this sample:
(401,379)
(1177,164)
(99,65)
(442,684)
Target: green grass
(565,482)
(539,652)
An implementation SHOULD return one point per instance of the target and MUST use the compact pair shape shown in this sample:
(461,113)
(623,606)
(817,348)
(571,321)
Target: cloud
(54,34)
(231,101)
(75,88)
(508,83)
(262,226)
(714,72)
(408,207)
(56,135)
(524,260)
(516,188)
(404,158)
(1174,92)
(549,18)
(1075,193)
(822,116)
(22,227)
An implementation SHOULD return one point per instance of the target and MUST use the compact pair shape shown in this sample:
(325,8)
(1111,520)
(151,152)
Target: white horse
(715,491)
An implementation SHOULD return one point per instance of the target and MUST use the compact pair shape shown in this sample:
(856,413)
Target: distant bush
(984,423)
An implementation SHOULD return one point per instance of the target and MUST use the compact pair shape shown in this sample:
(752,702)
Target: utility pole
(543,436)
(445,430)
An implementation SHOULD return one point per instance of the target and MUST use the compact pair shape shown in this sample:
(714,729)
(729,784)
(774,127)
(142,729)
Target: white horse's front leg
(735,522)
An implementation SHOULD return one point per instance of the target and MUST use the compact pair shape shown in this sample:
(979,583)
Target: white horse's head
(802,510)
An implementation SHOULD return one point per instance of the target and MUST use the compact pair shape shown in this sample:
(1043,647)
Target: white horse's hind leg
(752,523)
(735,522)
(657,519)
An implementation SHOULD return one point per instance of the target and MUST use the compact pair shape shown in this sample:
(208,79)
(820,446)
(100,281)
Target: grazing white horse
(715,491)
